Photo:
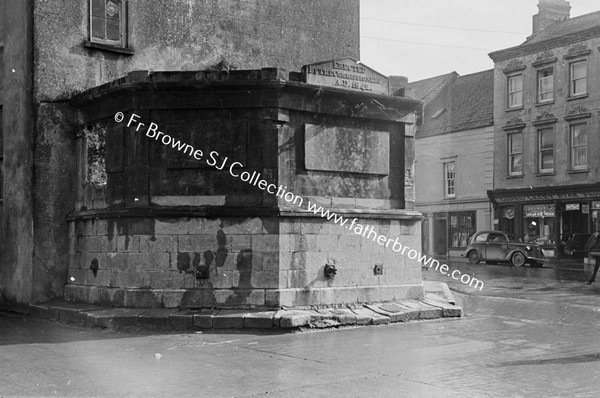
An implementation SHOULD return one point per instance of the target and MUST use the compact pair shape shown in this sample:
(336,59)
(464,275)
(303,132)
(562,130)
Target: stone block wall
(254,262)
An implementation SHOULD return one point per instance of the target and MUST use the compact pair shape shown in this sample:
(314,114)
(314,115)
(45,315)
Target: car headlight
(528,248)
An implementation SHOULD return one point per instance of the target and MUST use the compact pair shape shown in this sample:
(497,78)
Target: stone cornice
(544,118)
(578,112)
(526,49)
(514,124)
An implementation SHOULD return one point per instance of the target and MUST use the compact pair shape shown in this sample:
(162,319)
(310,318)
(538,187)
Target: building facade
(546,138)
(50,51)
(454,159)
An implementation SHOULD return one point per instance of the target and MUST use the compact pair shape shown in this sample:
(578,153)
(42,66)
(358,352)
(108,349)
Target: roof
(425,90)
(566,27)
(464,103)
(559,34)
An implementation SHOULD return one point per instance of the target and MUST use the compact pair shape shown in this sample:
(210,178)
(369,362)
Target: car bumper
(535,259)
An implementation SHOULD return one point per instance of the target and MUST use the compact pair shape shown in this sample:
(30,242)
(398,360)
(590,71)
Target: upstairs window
(449,179)
(107,22)
(515,154)
(545,85)
(546,150)
(579,146)
(515,91)
(578,78)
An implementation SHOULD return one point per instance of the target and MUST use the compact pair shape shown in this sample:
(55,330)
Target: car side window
(497,238)
(481,238)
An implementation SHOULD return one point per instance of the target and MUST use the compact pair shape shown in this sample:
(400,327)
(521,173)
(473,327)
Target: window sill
(450,198)
(576,97)
(544,103)
(518,108)
(514,176)
(545,174)
(108,47)
(584,171)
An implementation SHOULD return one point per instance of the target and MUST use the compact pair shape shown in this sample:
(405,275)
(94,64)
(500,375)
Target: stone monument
(243,205)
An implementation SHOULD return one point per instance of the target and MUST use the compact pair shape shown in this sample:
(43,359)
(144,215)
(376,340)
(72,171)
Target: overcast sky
(426,38)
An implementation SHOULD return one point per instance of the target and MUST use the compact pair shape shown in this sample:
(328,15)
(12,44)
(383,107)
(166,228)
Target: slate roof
(464,103)
(561,33)
(567,27)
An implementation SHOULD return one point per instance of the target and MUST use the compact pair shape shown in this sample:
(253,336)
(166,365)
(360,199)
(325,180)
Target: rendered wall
(191,35)
(559,108)
(16,256)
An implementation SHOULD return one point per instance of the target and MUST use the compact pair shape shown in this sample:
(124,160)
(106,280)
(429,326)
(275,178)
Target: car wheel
(474,257)
(518,259)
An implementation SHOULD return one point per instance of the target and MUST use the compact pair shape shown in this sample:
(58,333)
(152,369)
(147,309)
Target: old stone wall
(237,262)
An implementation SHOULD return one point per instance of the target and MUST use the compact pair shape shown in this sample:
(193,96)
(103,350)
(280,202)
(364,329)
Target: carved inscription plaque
(347,74)
(348,150)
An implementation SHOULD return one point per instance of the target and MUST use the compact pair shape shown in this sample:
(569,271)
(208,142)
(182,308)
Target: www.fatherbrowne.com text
(236,170)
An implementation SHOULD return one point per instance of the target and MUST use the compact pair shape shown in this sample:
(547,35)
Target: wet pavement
(529,333)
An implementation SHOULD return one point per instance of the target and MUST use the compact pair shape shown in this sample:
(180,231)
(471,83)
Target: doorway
(440,236)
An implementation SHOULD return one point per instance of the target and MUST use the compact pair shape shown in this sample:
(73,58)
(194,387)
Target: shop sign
(572,206)
(585,209)
(509,213)
(538,211)
(549,196)
(596,204)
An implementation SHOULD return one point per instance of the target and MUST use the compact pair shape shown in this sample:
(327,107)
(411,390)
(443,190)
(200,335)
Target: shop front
(549,215)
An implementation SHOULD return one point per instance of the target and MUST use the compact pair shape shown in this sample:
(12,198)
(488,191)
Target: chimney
(397,85)
(550,12)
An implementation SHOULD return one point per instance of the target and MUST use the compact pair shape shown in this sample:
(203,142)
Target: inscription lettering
(346,74)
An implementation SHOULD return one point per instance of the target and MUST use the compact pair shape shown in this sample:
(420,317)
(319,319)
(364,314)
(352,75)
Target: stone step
(172,319)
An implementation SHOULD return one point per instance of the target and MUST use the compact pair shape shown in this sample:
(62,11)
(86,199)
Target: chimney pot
(550,12)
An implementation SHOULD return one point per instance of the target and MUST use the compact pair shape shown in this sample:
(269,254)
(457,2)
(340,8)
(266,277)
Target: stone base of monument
(258,262)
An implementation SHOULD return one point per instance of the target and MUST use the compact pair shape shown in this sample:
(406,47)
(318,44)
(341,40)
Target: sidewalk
(549,262)
(438,303)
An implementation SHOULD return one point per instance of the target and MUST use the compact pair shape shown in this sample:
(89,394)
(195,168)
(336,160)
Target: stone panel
(346,150)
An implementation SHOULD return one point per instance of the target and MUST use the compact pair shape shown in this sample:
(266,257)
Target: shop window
(515,154)
(107,22)
(462,226)
(546,150)
(578,78)
(449,179)
(545,85)
(539,224)
(578,138)
(595,216)
(515,91)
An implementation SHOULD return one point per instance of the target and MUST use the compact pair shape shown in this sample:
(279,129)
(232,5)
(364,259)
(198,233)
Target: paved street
(529,333)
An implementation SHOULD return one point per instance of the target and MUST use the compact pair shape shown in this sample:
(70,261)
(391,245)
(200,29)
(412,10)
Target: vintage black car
(498,246)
